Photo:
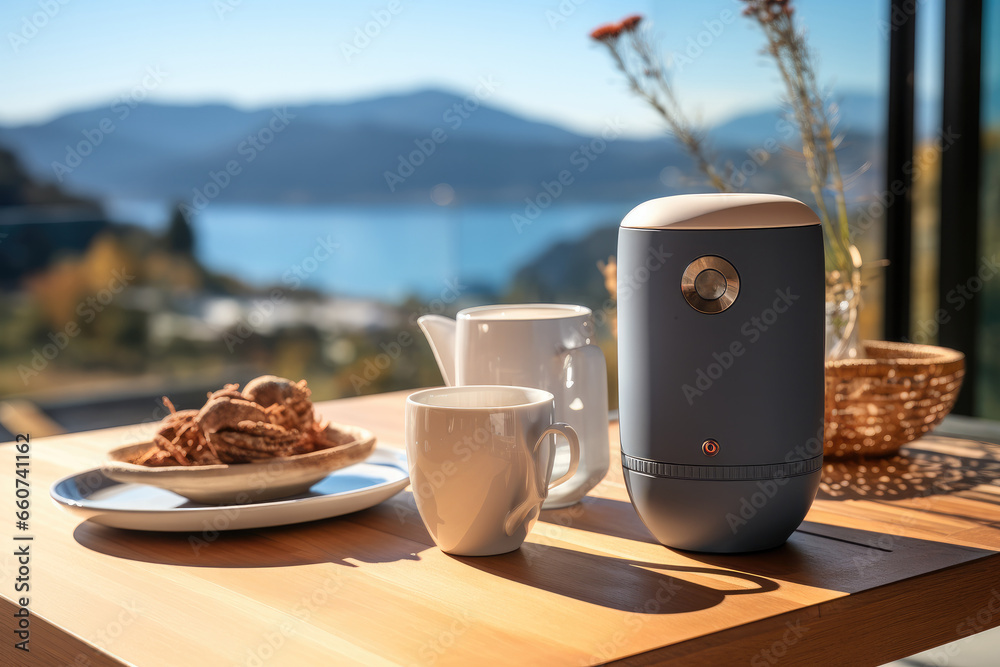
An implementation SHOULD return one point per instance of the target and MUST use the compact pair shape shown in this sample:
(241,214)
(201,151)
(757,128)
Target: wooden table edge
(939,610)
(52,644)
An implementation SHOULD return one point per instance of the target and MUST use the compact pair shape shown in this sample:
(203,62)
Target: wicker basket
(877,404)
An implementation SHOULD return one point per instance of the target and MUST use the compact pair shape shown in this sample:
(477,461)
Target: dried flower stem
(786,44)
(634,55)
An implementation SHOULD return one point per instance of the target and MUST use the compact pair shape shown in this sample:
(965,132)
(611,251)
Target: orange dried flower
(630,23)
(607,33)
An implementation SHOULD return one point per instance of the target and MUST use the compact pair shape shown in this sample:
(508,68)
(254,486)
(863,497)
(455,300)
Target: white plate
(102,500)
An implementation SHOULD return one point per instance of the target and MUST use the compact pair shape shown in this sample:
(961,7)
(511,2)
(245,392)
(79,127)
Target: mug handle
(568,432)
(536,495)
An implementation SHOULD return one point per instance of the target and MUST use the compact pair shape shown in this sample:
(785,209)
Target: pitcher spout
(440,333)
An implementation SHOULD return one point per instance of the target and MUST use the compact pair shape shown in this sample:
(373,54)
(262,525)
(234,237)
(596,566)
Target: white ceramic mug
(480,460)
(549,346)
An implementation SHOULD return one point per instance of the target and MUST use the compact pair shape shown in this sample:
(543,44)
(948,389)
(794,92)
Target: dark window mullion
(899,178)
(959,217)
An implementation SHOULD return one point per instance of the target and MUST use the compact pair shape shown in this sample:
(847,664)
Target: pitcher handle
(585,376)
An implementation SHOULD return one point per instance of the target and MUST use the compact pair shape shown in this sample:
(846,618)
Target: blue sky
(261,53)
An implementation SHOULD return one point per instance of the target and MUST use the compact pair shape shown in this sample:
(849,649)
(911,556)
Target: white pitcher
(547,346)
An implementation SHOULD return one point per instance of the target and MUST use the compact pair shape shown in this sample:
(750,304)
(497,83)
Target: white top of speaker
(730,210)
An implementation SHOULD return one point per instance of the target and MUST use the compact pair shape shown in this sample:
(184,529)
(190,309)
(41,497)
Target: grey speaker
(720,363)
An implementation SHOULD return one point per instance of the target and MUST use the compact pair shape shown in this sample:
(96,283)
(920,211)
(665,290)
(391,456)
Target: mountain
(386,149)
(857,112)
(565,272)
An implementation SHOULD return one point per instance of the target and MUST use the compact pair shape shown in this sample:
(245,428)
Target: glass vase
(843,309)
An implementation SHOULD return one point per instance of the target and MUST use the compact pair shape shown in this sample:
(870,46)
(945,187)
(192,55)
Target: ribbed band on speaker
(722,473)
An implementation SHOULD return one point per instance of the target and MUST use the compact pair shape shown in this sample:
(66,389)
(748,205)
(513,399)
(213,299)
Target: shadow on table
(616,518)
(845,559)
(617,583)
(359,537)
(819,555)
(915,473)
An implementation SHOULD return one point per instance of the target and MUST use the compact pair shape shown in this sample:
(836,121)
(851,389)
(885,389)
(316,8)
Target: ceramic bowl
(241,483)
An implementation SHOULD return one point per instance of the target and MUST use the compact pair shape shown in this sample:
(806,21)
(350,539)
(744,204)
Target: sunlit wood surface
(896,556)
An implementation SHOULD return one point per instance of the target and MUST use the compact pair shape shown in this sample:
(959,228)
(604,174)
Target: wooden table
(890,562)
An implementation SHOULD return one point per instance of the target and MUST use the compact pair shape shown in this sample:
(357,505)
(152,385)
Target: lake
(382,252)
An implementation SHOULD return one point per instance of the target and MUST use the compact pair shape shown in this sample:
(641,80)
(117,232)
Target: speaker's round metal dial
(710,284)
